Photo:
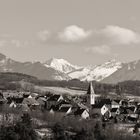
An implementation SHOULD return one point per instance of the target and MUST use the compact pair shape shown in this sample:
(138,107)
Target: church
(97,105)
(92,98)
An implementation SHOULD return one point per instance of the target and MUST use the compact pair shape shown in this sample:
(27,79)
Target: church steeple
(91,94)
(90,89)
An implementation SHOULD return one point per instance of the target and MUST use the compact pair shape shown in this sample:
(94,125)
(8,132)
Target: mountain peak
(113,61)
(60,65)
(61,69)
(56,60)
(98,72)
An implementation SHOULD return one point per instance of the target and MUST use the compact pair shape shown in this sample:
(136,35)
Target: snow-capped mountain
(129,71)
(36,69)
(60,69)
(61,65)
(96,73)
(87,73)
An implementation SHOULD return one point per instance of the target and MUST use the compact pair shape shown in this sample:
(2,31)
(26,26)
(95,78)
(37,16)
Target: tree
(58,131)
(8,133)
(25,129)
(84,135)
(98,134)
(22,130)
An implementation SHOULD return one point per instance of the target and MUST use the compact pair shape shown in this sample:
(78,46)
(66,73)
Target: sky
(83,32)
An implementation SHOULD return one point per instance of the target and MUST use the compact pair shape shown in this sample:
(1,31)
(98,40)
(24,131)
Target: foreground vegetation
(62,129)
(21,130)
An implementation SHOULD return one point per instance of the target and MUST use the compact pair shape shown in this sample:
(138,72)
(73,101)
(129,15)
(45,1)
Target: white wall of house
(60,98)
(13,105)
(69,111)
(104,109)
(115,106)
(30,96)
(85,115)
(52,111)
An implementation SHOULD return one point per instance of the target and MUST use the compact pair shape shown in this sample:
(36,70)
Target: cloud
(115,35)
(73,33)
(43,35)
(111,35)
(103,50)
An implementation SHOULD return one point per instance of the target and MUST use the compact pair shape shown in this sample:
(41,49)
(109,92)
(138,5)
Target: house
(83,113)
(53,100)
(42,102)
(102,107)
(115,104)
(114,112)
(18,99)
(26,94)
(65,109)
(54,109)
(33,95)
(131,111)
(124,103)
(65,105)
(30,96)
(63,102)
(13,105)
(14,96)
(31,102)
(132,114)
(132,102)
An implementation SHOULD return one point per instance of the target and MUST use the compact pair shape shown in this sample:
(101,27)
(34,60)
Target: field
(60,90)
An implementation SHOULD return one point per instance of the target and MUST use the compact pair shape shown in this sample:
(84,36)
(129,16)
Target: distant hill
(10,77)
(15,81)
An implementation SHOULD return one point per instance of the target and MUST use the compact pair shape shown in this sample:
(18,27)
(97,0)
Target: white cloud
(73,33)
(43,35)
(118,35)
(104,50)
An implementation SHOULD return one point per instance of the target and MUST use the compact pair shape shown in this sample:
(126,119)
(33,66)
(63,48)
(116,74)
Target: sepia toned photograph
(69,69)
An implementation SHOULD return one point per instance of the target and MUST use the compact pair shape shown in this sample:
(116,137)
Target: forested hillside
(12,81)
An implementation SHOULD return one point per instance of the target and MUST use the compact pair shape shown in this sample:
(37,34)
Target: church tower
(91,95)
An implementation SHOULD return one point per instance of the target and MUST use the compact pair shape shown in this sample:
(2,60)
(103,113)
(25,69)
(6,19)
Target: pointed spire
(90,89)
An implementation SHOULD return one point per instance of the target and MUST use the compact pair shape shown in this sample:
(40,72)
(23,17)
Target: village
(90,106)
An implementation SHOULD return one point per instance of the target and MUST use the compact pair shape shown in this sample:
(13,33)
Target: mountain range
(60,69)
